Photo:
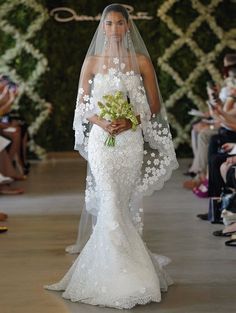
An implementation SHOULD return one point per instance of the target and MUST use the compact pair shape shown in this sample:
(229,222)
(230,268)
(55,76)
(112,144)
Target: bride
(114,267)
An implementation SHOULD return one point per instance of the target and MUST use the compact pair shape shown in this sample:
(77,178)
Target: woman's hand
(115,127)
(217,112)
(120,125)
(106,125)
(231,160)
(228,146)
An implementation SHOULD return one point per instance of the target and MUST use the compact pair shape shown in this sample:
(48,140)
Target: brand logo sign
(64,15)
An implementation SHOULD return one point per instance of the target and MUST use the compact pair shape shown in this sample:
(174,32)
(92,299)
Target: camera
(12,86)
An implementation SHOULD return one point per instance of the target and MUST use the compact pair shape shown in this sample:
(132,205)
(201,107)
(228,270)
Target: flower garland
(205,60)
(22,43)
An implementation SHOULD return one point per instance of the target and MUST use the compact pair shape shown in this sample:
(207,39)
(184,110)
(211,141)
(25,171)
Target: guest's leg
(216,181)
(214,144)
(15,148)
(194,137)
(6,167)
(203,144)
(224,169)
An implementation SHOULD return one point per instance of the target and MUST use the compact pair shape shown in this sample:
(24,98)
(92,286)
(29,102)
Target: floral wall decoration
(186,40)
(204,58)
(22,51)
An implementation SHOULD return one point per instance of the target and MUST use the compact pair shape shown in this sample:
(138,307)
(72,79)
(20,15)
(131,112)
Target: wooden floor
(44,221)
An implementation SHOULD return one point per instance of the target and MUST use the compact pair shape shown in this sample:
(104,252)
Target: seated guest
(218,152)
(228,168)
(224,155)
(11,126)
(7,171)
(205,129)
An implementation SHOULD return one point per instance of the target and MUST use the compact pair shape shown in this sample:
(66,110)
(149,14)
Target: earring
(106,42)
(129,41)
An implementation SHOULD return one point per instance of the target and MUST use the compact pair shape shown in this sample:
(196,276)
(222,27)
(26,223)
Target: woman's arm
(87,73)
(150,83)
(106,125)
(228,119)
(4,93)
(6,107)
(229,105)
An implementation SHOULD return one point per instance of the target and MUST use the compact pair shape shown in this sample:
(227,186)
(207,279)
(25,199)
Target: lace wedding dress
(115,268)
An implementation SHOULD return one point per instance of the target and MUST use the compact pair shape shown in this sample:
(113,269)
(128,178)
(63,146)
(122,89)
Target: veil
(115,61)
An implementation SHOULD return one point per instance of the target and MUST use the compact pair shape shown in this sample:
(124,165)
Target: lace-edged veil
(117,55)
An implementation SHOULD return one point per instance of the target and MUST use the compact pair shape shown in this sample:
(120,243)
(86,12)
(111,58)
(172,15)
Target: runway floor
(44,220)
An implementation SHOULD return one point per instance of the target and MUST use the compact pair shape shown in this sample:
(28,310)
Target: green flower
(116,107)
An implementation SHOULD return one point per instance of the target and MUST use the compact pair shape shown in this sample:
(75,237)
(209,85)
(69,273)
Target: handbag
(214,211)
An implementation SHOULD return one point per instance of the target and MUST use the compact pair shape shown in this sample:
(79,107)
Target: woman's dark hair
(116,8)
(4,78)
(230,63)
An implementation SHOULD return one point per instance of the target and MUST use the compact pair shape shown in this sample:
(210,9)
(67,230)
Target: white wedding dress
(115,268)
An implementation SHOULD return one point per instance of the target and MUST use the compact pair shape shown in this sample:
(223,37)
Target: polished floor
(44,220)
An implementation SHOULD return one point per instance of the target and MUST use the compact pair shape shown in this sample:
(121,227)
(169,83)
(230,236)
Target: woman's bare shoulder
(143,59)
(144,62)
(90,63)
(93,62)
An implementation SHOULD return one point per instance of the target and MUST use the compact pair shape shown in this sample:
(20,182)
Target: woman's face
(115,26)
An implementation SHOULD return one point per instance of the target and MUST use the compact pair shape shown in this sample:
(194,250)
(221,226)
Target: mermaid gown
(115,268)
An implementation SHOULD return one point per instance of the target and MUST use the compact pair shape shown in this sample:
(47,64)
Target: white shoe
(5,179)
(228,217)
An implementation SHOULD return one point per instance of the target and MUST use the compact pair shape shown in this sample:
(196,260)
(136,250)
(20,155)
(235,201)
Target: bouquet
(116,106)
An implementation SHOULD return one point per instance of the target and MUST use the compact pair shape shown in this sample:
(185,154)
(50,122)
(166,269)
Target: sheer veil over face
(117,60)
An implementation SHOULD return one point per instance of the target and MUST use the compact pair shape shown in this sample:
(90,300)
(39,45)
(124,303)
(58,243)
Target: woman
(115,268)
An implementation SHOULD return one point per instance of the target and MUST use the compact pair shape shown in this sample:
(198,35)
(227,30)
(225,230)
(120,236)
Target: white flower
(104,66)
(145,152)
(156,162)
(115,60)
(81,91)
(86,98)
(112,71)
(165,131)
(90,81)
